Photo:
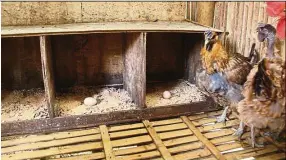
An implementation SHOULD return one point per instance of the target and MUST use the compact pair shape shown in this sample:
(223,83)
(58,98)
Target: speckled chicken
(264,104)
(223,74)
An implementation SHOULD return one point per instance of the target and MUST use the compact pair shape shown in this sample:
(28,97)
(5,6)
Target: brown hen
(264,104)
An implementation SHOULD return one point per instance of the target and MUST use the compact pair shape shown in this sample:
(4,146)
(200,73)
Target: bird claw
(221,119)
(238,133)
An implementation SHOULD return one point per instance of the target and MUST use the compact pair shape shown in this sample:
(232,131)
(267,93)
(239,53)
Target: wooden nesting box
(130,55)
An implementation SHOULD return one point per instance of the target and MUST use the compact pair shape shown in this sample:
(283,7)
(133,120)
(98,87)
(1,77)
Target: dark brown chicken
(264,104)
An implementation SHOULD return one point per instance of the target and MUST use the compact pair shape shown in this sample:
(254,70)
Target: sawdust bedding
(108,100)
(181,91)
(23,105)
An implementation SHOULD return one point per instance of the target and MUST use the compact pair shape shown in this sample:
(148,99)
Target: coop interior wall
(41,13)
(93,59)
(165,56)
(21,66)
(172,56)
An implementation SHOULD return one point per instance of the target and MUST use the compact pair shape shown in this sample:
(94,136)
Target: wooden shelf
(108,27)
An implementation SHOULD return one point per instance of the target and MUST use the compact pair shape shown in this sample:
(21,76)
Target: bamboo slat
(158,142)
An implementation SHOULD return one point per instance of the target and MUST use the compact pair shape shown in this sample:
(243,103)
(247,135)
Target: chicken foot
(253,143)
(240,131)
(222,117)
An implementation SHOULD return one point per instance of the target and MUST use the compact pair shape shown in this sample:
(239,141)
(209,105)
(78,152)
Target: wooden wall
(39,13)
(240,19)
(21,63)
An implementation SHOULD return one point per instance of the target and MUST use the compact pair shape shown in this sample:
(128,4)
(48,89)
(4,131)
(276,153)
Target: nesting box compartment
(23,95)
(172,59)
(90,66)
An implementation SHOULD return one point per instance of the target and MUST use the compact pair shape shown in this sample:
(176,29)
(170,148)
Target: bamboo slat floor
(177,138)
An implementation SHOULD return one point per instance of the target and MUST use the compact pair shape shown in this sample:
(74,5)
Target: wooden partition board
(135,67)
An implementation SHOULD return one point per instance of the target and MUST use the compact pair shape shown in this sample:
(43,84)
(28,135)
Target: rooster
(223,74)
(263,106)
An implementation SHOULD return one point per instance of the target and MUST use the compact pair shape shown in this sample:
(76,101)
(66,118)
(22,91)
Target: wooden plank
(131,141)
(220,133)
(134,75)
(207,120)
(217,141)
(275,156)
(84,121)
(53,136)
(158,142)
(173,134)
(205,13)
(186,147)
(53,143)
(247,154)
(229,146)
(192,49)
(219,125)
(205,115)
(166,121)
(100,155)
(182,140)
(209,158)
(145,155)
(127,133)
(143,148)
(170,127)
(202,138)
(125,127)
(48,74)
(193,154)
(85,28)
(53,151)
(106,143)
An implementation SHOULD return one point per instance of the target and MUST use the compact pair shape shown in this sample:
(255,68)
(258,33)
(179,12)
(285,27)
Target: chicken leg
(222,117)
(253,143)
(240,131)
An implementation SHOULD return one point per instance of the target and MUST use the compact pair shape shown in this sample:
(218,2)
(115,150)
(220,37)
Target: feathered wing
(264,110)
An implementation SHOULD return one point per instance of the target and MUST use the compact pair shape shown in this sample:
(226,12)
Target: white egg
(166,95)
(90,101)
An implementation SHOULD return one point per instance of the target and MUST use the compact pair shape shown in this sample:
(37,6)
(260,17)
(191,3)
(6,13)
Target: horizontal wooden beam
(108,27)
(83,121)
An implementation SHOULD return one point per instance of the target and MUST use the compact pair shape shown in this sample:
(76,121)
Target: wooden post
(134,76)
(205,13)
(48,77)
(192,49)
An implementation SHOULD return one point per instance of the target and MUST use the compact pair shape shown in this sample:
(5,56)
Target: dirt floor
(181,92)
(23,105)
(108,100)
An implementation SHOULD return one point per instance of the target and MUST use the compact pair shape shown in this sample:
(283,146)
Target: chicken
(255,92)
(222,75)
(215,59)
(263,106)
(267,34)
